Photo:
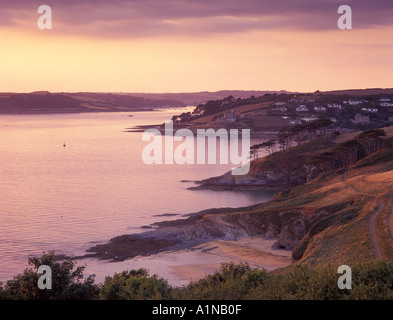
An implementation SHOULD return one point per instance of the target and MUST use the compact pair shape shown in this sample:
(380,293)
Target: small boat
(64,144)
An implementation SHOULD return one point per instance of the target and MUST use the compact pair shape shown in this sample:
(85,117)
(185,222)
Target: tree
(297,131)
(254,151)
(269,146)
(371,140)
(322,124)
(67,281)
(348,152)
(324,162)
(283,139)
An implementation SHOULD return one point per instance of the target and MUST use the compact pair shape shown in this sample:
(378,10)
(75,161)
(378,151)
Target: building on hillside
(384,99)
(335,106)
(320,109)
(302,108)
(359,118)
(293,122)
(279,109)
(354,102)
(386,104)
(227,117)
(297,100)
(310,118)
(372,110)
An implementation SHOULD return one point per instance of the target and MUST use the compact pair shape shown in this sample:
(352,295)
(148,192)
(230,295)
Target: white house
(294,121)
(354,102)
(373,110)
(320,109)
(281,109)
(384,99)
(386,104)
(302,108)
(335,106)
(310,118)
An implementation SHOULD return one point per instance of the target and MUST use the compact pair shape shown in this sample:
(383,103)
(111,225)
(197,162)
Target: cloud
(149,18)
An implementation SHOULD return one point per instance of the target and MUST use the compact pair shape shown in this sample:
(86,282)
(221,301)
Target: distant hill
(46,102)
(63,102)
(358,92)
(38,103)
(196,98)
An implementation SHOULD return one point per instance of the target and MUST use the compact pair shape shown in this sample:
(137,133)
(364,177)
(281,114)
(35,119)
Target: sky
(195,45)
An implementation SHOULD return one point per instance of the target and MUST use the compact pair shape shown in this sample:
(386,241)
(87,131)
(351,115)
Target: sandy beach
(183,266)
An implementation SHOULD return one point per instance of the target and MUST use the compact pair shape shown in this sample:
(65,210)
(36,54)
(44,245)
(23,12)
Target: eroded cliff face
(271,177)
(289,226)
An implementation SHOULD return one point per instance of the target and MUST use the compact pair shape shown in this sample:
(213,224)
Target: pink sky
(195,45)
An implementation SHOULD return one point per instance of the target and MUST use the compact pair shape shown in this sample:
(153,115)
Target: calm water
(97,187)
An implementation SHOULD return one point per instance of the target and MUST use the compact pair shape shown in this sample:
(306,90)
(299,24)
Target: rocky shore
(176,234)
(286,226)
(273,180)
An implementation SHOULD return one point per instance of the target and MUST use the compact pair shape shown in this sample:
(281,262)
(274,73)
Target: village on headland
(269,114)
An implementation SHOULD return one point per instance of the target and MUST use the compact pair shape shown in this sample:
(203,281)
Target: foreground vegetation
(370,280)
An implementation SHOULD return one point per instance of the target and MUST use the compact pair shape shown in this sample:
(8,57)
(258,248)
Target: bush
(231,282)
(372,280)
(134,285)
(301,283)
(67,282)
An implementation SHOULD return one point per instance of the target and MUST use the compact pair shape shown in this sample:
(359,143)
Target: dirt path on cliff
(380,207)
(374,215)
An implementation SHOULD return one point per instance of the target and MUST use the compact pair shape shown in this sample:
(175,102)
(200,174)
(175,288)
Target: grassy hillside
(342,215)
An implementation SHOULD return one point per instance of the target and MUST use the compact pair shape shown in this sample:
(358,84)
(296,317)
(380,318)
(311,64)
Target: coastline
(180,267)
(189,248)
(237,187)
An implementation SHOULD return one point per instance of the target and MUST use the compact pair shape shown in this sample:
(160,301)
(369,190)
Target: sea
(71,181)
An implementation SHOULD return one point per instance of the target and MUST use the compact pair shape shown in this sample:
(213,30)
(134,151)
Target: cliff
(279,171)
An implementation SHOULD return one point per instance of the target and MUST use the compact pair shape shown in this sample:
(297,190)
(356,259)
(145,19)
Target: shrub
(231,282)
(67,282)
(372,280)
(134,285)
